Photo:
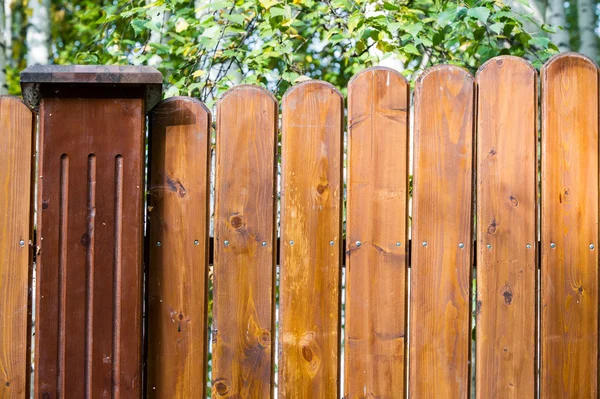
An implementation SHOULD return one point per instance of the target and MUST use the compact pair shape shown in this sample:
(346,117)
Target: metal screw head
(592,246)
(196,242)
(291,242)
(424,243)
(461,245)
(552,245)
(358,243)
(22,243)
(264,243)
(226,243)
(398,243)
(528,246)
(331,243)
(489,246)
(158,243)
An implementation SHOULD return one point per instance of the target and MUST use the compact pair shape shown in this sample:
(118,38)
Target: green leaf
(268,3)
(497,27)
(388,5)
(138,25)
(411,49)
(540,41)
(235,18)
(480,13)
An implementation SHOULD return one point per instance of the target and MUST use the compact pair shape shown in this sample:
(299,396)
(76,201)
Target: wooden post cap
(39,81)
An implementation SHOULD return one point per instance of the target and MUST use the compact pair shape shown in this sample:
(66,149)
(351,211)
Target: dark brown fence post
(90,227)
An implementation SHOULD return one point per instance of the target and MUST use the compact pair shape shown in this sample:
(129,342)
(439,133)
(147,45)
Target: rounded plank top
(179,163)
(441,233)
(506,222)
(310,271)
(17,146)
(376,270)
(569,227)
(245,243)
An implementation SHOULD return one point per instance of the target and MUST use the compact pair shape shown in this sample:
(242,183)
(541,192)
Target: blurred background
(205,46)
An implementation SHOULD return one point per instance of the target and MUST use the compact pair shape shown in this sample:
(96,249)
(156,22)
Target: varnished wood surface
(16,158)
(309,341)
(90,229)
(178,222)
(442,220)
(378,106)
(506,229)
(244,270)
(569,298)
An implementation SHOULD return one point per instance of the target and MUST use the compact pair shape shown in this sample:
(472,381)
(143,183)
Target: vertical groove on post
(89,325)
(117,275)
(62,271)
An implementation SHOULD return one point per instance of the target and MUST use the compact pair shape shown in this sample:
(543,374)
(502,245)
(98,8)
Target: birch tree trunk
(555,15)
(38,33)
(586,15)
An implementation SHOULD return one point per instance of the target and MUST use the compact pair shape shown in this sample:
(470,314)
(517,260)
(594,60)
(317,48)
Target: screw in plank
(358,243)
(158,243)
(461,245)
(424,243)
(489,246)
(291,242)
(552,245)
(398,243)
(264,243)
(196,242)
(22,243)
(528,246)
(592,246)
(226,243)
(331,243)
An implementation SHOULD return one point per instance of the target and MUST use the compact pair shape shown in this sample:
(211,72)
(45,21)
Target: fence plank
(569,330)
(442,220)
(178,266)
(16,150)
(506,229)
(378,101)
(311,248)
(89,272)
(245,202)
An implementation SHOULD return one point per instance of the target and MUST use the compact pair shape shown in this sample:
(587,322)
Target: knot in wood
(221,387)
(322,187)
(236,221)
(264,339)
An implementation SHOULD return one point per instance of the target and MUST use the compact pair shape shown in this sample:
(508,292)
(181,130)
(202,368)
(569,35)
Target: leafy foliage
(205,47)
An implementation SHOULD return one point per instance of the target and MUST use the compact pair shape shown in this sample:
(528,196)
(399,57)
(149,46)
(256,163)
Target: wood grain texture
(378,106)
(90,231)
(244,270)
(442,219)
(569,271)
(506,221)
(16,159)
(178,219)
(309,341)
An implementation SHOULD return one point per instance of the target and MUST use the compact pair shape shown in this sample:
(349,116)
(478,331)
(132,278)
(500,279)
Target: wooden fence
(500,247)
